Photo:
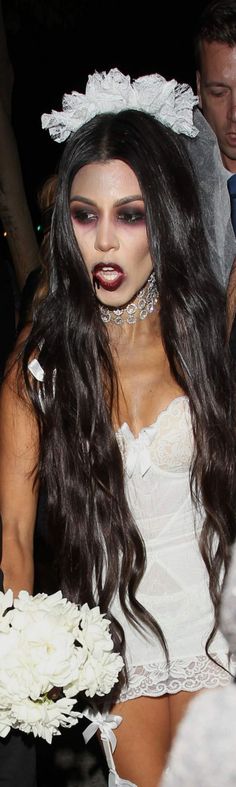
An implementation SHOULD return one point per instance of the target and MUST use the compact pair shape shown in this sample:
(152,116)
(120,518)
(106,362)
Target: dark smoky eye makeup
(131,215)
(82,214)
(132,212)
(124,213)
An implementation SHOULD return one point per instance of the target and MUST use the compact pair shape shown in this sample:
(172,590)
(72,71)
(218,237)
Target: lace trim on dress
(154,680)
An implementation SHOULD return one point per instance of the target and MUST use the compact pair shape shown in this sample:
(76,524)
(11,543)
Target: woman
(124,409)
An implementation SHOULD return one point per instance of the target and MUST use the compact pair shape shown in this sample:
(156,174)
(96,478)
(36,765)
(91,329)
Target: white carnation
(94,630)
(42,718)
(5,724)
(28,608)
(110,667)
(10,641)
(96,675)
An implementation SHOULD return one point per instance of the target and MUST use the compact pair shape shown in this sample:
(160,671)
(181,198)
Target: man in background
(215,58)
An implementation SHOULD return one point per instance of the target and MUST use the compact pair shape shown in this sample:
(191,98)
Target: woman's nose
(106,236)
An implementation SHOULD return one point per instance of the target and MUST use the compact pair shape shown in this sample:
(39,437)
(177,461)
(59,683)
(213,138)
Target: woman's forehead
(113,176)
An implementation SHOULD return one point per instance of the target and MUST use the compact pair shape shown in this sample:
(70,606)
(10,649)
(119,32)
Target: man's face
(216,88)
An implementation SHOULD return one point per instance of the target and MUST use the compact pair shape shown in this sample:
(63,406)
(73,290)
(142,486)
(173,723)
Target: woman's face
(108,217)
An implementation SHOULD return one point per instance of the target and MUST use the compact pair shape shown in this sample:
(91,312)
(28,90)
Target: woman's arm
(19,446)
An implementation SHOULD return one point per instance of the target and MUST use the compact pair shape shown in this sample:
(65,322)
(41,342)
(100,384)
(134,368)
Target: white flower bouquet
(51,650)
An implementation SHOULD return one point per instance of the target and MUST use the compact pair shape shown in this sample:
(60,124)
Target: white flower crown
(168,101)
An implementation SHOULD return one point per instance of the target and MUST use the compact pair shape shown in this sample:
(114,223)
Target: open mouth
(109,277)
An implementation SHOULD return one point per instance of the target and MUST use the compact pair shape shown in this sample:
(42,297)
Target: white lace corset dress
(175,584)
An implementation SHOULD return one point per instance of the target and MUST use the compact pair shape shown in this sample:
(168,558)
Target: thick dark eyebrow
(124,201)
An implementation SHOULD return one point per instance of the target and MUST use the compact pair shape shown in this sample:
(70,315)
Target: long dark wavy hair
(99,549)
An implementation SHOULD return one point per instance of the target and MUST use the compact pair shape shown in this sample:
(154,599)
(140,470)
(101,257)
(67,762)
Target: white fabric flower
(171,103)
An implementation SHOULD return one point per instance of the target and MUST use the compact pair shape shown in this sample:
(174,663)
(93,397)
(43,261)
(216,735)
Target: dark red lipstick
(108,275)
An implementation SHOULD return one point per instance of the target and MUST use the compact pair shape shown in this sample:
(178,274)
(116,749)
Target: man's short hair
(217,22)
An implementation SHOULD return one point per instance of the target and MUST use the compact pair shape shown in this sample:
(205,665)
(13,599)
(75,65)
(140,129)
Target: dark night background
(54,45)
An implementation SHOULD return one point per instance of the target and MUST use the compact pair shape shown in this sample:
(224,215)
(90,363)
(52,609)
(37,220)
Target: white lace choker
(138,309)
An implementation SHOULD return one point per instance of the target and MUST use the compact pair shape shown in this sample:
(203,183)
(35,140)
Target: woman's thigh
(143,739)
(178,704)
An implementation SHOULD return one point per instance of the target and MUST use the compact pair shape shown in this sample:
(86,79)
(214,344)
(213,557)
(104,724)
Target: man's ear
(198,83)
